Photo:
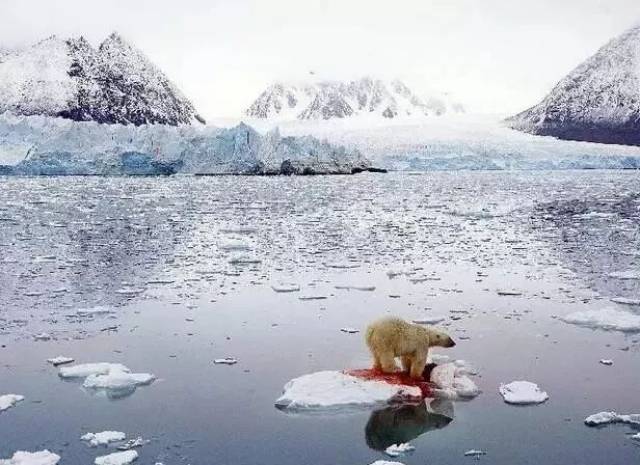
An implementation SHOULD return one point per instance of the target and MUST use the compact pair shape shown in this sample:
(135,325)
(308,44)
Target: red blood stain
(399,378)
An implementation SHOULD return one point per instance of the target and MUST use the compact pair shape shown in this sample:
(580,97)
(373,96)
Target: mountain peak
(330,99)
(599,101)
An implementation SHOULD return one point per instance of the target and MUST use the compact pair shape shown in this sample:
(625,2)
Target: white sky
(493,55)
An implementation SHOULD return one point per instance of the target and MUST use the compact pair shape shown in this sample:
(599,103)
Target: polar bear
(393,337)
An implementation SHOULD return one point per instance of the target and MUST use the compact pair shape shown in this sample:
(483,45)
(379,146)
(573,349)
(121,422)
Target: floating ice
(606,361)
(285,287)
(522,393)
(452,381)
(42,337)
(43,457)
(429,320)
(94,311)
(506,293)
(350,287)
(225,361)
(117,458)
(625,301)
(103,438)
(112,377)
(9,400)
(636,437)
(605,418)
(244,260)
(396,450)
(606,318)
(334,390)
(60,360)
(386,462)
(132,443)
(233,244)
(629,274)
(350,330)
(474,453)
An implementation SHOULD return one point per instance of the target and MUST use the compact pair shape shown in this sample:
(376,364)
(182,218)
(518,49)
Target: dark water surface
(186,265)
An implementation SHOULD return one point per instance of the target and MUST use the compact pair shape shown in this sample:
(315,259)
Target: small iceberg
(606,318)
(523,393)
(117,458)
(103,438)
(452,381)
(605,418)
(396,450)
(114,378)
(9,400)
(43,457)
(60,360)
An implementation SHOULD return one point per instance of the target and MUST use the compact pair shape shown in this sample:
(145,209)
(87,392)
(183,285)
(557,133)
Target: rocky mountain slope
(337,99)
(599,101)
(114,83)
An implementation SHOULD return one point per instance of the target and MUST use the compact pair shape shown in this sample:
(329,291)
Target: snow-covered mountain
(599,101)
(115,83)
(339,99)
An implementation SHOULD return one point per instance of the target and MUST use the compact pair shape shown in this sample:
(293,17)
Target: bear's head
(440,339)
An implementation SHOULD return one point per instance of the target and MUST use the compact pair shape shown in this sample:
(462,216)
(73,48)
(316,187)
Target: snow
(43,457)
(9,400)
(117,458)
(604,418)
(522,393)
(103,438)
(606,318)
(60,360)
(334,390)
(396,450)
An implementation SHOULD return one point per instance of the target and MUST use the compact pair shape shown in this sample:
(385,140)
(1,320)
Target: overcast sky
(493,55)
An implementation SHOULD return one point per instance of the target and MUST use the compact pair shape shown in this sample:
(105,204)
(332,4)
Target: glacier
(41,145)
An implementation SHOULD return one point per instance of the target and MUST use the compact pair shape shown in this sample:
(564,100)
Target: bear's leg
(417,366)
(377,366)
(406,363)
(387,362)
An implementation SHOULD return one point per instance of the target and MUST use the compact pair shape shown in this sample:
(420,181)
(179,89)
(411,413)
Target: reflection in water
(400,424)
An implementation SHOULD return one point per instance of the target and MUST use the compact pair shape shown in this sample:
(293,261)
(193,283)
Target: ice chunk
(604,418)
(474,453)
(522,393)
(350,330)
(334,390)
(87,369)
(103,438)
(452,381)
(118,380)
(225,361)
(606,361)
(60,360)
(386,462)
(94,311)
(636,437)
(429,320)
(606,318)
(9,400)
(132,443)
(43,457)
(355,287)
(625,301)
(396,450)
(629,274)
(285,287)
(117,458)
(42,337)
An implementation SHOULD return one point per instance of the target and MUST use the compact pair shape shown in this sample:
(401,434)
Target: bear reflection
(400,424)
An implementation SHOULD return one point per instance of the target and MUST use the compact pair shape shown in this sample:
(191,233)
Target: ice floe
(350,330)
(43,457)
(475,453)
(334,390)
(117,458)
(103,438)
(225,361)
(625,301)
(522,393)
(60,360)
(9,400)
(285,287)
(605,418)
(606,361)
(607,318)
(114,378)
(386,462)
(397,450)
(630,274)
(429,320)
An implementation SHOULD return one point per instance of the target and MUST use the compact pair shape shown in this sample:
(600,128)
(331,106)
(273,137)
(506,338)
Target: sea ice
(117,458)
(625,301)
(386,462)
(606,361)
(350,330)
(522,393)
(43,457)
(334,390)
(474,453)
(452,381)
(86,369)
(606,318)
(225,361)
(60,360)
(9,400)
(429,320)
(103,438)
(605,418)
(396,450)
(94,311)
(108,376)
